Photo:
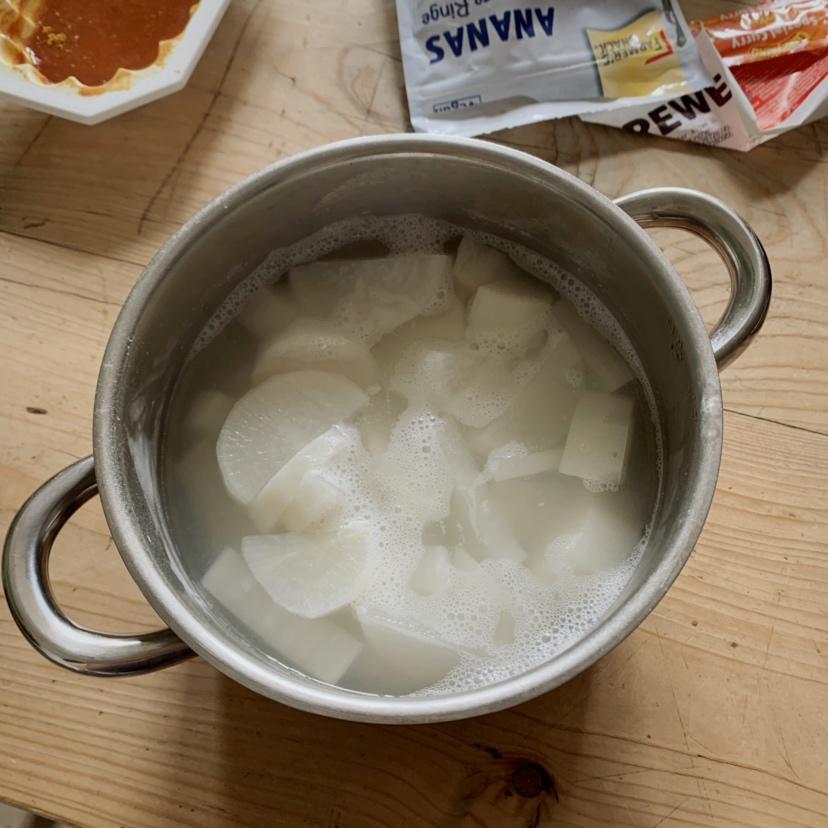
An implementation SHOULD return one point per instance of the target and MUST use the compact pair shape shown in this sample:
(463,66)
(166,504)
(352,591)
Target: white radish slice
(464,562)
(489,390)
(513,460)
(463,616)
(310,575)
(608,368)
(371,297)
(268,506)
(275,420)
(315,344)
(508,318)
(486,534)
(448,326)
(406,648)
(484,531)
(231,583)
(207,412)
(457,457)
(477,264)
(540,509)
(539,417)
(608,533)
(370,674)
(599,438)
(505,630)
(523,590)
(269,310)
(316,499)
(511,303)
(430,373)
(506,343)
(321,649)
(376,420)
(560,360)
(434,571)
(494,533)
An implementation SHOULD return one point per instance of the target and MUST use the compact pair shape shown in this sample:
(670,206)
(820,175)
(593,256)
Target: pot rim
(212,644)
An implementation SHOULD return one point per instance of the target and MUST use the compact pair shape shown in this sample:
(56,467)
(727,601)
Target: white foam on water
(399,234)
(548,617)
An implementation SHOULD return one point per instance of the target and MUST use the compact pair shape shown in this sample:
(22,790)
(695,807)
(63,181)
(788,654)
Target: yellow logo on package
(638,59)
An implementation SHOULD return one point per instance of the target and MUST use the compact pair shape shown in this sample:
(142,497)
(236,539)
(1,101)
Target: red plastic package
(768,69)
(767,31)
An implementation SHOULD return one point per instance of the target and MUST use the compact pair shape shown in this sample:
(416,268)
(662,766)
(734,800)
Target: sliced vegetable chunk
(599,438)
(513,460)
(268,506)
(320,648)
(541,508)
(448,326)
(310,575)
(270,309)
(513,305)
(429,373)
(410,650)
(609,531)
(378,418)
(539,417)
(605,364)
(488,390)
(434,571)
(275,420)
(372,297)
(477,264)
(308,343)
(316,499)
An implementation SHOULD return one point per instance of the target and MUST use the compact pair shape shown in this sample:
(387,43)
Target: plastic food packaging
(769,71)
(475,66)
(770,30)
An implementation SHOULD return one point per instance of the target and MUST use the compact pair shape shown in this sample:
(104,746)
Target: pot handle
(733,239)
(32,603)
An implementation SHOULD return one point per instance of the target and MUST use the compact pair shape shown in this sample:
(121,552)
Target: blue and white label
(512,24)
(474,66)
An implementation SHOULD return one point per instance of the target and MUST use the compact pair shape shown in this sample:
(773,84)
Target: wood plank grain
(783,194)
(781,376)
(56,311)
(283,77)
(710,714)
(675,714)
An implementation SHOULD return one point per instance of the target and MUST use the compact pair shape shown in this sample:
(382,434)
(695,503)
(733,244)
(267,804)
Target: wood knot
(531,779)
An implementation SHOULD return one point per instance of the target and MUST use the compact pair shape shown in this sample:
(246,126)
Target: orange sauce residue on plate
(91,39)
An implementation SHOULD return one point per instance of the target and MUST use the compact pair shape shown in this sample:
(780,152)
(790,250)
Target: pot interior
(470,184)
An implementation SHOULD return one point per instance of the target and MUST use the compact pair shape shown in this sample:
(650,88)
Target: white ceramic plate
(143,85)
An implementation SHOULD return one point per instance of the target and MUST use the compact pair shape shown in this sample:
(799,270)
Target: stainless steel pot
(470,183)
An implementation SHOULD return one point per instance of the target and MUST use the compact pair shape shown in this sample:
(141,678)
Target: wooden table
(713,713)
